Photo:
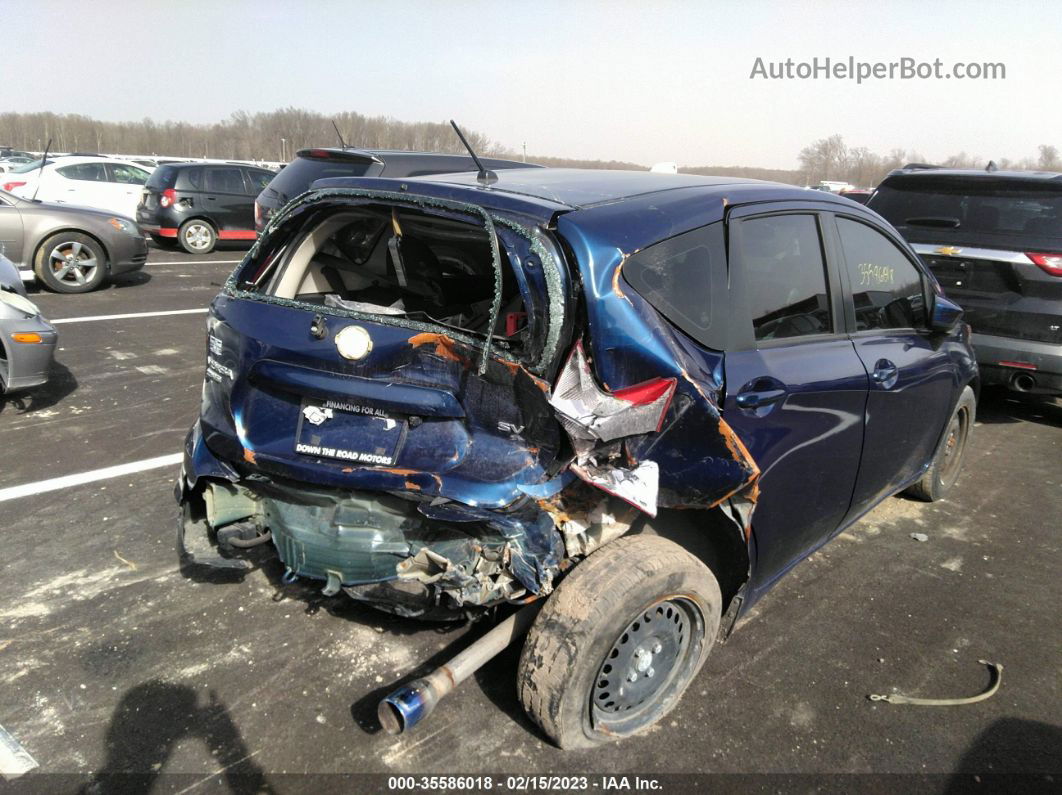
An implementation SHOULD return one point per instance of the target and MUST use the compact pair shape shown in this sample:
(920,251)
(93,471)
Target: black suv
(311,165)
(198,204)
(994,241)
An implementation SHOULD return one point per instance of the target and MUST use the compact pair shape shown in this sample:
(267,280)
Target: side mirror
(946,314)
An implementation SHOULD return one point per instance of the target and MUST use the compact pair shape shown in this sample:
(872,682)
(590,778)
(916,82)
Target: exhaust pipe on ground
(410,704)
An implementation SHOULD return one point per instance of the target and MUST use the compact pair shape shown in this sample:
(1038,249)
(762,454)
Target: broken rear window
(402,264)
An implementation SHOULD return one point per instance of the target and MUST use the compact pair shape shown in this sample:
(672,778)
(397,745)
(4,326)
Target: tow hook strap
(997,678)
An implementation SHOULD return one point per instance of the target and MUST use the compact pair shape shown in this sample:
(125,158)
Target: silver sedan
(27,340)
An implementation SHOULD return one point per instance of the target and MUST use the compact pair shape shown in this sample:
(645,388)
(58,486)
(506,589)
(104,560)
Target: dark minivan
(198,204)
(993,239)
(311,165)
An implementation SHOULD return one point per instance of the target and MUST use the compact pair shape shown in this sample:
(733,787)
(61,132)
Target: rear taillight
(257,215)
(10,186)
(168,198)
(1048,263)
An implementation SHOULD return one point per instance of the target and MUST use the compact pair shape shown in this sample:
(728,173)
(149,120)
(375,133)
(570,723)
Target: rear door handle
(884,371)
(754,400)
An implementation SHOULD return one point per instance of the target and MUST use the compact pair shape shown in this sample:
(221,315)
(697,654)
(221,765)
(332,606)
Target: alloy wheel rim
(73,263)
(197,236)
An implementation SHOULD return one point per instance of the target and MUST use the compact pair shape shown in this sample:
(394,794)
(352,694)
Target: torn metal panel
(592,413)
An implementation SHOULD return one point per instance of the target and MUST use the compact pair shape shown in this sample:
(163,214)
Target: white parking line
(91,318)
(54,484)
(193,261)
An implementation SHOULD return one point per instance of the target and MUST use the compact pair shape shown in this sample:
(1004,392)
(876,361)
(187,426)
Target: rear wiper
(938,221)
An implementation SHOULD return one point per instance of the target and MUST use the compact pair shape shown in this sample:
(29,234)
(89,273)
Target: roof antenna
(991,166)
(40,171)
(339,134)
(484,177)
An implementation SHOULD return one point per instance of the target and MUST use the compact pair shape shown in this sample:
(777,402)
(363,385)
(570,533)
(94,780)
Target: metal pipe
(1024,383)
(410,704)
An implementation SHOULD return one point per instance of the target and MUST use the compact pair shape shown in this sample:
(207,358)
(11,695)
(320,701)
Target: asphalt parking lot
(114,662)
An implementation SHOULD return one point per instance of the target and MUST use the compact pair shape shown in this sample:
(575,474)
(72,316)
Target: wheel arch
(78,231)
(713,537)
(213,224)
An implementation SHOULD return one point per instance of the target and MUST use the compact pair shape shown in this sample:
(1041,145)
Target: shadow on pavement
(1000,406)
(148,724)
(1011,755)
(60,384)
(134,279)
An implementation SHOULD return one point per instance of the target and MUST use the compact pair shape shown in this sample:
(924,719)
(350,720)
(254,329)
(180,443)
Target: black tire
(70,262)
(947,461)
(165,242)
(197,236)
(604,613)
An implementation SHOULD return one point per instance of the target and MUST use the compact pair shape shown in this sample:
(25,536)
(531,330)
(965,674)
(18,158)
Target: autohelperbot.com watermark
(850,68)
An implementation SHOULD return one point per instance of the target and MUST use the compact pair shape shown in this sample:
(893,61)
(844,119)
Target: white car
(99,182)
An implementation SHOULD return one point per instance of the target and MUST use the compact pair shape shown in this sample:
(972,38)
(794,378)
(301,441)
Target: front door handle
(754,400)
(885,373)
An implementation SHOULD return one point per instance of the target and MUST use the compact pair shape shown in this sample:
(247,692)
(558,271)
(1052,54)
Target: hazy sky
(647,82)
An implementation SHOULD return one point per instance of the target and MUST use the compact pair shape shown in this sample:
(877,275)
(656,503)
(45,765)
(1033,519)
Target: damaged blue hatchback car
(626,402)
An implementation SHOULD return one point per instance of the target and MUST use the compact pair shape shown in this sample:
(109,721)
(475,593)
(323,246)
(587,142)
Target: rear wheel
(197,236)
(70,262)
(947,463)
(618,642)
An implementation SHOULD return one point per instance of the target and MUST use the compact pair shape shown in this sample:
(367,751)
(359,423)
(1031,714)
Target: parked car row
(993,238)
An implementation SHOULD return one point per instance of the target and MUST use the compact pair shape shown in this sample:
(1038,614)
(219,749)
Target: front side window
(224,180)
(86,172)
(887,289)
(675,277)
(785,277)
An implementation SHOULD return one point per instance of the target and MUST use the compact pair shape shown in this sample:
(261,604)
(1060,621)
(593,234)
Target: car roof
(395,155)
(632,208)
(200,163)
(576,188)
(73,160)
(924,172)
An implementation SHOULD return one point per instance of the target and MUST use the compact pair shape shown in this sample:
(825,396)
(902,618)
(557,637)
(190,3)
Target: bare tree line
(278,134)
(832,159)
(243,136)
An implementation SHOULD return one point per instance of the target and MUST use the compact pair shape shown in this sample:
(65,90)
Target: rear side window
(162,178)
(785,277)
(675,277)
(224,180)
(887,289)
(190,178)
(87,172)
(297,176)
